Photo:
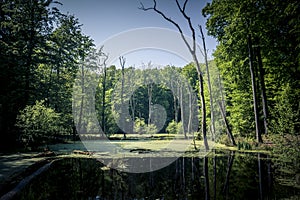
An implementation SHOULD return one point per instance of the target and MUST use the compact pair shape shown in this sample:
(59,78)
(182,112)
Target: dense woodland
(42,50)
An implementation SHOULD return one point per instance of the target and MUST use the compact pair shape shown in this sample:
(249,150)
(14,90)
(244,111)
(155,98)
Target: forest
(42,50)
(245,99)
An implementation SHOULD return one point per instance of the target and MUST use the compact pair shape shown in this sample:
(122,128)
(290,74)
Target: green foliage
(272,25)
(286,113)
(287,148)
(142,128)
(243,145)
(150,129)
(139,126)
(38,122)
(174,127)
(40,51)
(223,139)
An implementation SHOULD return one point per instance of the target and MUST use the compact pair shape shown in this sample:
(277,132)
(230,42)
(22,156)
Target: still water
(225,175)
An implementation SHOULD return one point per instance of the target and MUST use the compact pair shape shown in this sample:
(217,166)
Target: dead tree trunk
(122,63)
(150,87)
(182,112)
(192,50)
(254,89)
(212,116)
(190,113)
(105,57)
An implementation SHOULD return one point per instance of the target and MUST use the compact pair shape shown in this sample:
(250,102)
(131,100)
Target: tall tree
(275,42)
(104,72)
(25,27)
(192,50)
(211,101)
(254,90)
(39,53)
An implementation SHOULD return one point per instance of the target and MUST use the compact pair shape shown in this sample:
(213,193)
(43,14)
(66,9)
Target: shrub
(172,127)
(139,126)
(151,129)
(175,128)
(37,123)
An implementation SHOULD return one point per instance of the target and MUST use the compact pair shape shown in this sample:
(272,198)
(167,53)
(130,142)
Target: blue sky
(104,19)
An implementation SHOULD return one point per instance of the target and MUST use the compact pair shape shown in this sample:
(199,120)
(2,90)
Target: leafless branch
(201,51)
(184,5)
(145,9)
(192,49)
(203,39)
(122,60)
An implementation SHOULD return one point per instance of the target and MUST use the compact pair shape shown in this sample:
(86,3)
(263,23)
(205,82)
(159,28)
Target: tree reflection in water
(224,175)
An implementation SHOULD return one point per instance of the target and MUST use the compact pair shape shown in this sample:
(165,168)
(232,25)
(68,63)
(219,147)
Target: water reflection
(223,176)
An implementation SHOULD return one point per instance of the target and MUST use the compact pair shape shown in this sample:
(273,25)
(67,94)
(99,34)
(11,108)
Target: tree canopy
(273,28)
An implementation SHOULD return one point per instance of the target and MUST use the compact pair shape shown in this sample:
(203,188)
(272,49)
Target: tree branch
(182,10)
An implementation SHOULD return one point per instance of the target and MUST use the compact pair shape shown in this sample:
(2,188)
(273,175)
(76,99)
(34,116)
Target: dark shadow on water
(227,175)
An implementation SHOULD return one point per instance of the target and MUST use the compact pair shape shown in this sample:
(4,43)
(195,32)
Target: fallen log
(82,152)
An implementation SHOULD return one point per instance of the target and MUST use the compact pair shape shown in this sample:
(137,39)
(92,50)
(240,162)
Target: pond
(223,175)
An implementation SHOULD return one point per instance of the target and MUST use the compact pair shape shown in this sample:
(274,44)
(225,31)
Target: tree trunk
(203,110)
(81,102)
(122,63)
(132,103)
(103,99)
(176,104)
(263,88)
(189,128)
(212,116)
(228,130)
(150,103)
(222,95)
(192,50)
(182,112)
(254,89)
(202,99)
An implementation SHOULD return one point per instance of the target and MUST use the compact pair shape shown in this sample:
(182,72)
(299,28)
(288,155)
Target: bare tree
(212,115)
(192,50)
(182,111)
(122,63)
(150,94)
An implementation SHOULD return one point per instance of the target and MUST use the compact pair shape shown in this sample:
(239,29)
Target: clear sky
(103,19)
